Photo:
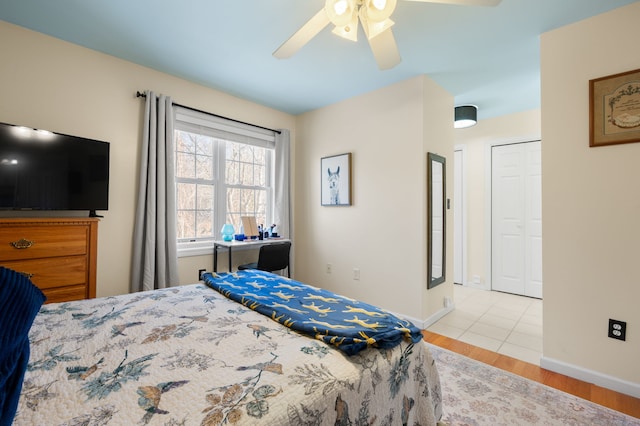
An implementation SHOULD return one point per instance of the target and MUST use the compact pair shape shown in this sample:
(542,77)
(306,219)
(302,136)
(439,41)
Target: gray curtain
(282,187)
(155,254)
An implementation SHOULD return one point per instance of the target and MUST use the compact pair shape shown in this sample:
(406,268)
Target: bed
(191,355)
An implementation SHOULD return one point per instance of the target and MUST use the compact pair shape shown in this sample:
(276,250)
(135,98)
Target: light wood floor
(614,400)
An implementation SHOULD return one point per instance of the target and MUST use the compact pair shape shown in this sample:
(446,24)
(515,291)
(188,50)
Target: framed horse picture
(335,180)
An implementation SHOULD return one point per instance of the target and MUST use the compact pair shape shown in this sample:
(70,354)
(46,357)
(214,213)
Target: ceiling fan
(374,15)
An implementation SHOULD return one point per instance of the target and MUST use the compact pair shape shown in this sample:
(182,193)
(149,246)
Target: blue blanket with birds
(345,323)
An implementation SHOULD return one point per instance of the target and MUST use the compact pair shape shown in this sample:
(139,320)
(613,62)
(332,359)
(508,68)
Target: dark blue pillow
(20,301)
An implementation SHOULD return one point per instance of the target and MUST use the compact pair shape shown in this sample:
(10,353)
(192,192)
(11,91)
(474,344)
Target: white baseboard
(589,376)
(422,324)
(478,286)
(435,317)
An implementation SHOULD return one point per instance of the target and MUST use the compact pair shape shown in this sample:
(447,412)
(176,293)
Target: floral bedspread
(188,356)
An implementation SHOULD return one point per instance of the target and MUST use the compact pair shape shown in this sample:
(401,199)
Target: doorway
(516,219)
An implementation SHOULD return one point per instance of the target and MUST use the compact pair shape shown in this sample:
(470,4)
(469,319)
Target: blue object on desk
(227,232)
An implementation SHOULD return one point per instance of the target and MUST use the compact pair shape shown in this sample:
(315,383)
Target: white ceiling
(487,56)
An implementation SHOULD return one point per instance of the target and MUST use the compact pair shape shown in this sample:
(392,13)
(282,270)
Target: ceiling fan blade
(385,50)
(303,35)
(463,2)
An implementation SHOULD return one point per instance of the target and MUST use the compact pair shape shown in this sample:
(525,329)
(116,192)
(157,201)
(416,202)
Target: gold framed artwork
(614,109)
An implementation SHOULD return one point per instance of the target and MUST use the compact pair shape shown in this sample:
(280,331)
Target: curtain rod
(144,95)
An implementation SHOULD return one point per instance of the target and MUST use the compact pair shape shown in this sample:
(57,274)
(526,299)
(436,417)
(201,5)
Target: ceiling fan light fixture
(340,12)
(378,10)
(340,7)
(379,4)
(375,18)
(465,116)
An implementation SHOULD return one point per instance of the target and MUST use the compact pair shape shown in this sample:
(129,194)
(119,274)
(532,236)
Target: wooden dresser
(58,254)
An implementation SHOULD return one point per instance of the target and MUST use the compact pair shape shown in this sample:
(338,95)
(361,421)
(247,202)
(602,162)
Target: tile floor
(500,322)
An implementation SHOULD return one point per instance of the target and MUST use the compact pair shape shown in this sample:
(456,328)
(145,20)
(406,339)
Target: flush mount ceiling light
(374,15)
(465,116)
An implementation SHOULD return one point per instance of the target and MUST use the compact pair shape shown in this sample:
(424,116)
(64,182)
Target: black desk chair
(272,257)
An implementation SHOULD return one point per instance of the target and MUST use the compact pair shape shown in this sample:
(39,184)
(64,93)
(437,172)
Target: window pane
(186,224)
(259,155)
(204,157)
(232,170)
(205,224)
(234,219)
(204,167)
(186,196)
(185,199)
(232,151)
(185,141)
(259,172)
(233,200)
(245,165)
(261,201)
(204,145)
(246,174)
(246,153)
(246,202)
(205,197)
(185,165)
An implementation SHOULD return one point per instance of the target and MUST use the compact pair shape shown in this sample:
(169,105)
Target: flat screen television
(41,170)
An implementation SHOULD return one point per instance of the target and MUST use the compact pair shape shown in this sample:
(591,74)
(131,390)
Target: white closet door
(516,182)
(533,220)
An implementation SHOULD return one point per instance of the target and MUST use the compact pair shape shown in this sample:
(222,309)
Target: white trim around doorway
(464,201)
(487,202)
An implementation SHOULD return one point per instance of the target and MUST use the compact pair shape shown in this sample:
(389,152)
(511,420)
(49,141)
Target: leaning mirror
(436,225)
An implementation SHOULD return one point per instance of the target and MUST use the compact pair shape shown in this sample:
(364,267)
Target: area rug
(474,393)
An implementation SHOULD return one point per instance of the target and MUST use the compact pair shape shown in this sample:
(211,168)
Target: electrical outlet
(617,329)
(328,268)
(356,274)
(200,272)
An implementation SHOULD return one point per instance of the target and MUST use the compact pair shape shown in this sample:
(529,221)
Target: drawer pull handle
(26,274)
(22,243)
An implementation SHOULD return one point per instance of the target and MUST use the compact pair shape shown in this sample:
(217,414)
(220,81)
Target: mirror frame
(431,159)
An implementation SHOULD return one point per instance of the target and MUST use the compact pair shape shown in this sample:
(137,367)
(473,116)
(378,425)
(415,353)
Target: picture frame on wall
(335,180)
(614,109)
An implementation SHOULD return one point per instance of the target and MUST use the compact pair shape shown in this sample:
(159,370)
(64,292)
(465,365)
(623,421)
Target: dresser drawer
(65,294)
(42,241)
(52,272)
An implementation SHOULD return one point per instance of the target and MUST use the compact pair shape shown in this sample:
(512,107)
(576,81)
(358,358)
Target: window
(221,174)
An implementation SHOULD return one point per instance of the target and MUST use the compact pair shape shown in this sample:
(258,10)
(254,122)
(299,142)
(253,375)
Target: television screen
(41,170)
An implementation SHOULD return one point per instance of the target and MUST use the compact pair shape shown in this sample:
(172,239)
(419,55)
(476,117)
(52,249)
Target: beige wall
(590,200)
(50,84)
(476,142)
(54,85)
(388,132)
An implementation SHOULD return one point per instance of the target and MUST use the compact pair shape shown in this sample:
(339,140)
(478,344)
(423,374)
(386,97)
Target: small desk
(240,244)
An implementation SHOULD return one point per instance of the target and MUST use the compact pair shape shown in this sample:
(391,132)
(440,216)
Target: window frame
(217,128)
